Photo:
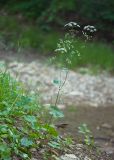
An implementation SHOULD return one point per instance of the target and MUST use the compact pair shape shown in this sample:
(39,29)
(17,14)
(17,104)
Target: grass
(94,55)
(17,34)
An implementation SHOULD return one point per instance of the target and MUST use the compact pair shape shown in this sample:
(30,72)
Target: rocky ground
(79,89)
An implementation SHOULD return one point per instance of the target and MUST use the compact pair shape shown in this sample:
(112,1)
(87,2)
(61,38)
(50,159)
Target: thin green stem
(60,88)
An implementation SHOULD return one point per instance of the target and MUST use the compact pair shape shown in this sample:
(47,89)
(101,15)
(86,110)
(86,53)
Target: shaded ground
(100,120)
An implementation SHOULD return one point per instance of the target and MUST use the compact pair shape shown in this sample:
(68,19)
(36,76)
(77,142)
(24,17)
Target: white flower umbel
(72,24)
(90,28)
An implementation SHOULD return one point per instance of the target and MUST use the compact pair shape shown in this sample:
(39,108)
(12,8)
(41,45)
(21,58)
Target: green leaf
(54,144)
(23,101)
(31,119)
(51,130)
(25,155)
(56,81)
(56,113)
(5,152)
(26,142)
(2,64)
(84,129)
(3,128)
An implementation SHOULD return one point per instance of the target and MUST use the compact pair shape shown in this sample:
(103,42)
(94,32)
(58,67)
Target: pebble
(69,157)
(106,126)
(86,158)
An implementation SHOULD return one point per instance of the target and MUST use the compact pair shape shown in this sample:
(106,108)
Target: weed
(88,138)
(66,48)
(22,127)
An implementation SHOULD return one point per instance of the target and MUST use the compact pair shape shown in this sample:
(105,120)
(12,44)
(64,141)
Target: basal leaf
(26,142)
(56,113)
(31,119)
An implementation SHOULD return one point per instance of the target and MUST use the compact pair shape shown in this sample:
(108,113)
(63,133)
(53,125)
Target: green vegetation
(98,13)
(15,34)
(73,52)
(88,138)
(25,124)
(94,55)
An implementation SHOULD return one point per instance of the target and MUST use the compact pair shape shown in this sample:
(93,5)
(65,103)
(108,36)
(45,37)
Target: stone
(69,157)
(79,146)
(61,106)
(87,158)
(106,125)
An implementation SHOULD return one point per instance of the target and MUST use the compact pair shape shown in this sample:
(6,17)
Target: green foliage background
(97,12)
(37,24)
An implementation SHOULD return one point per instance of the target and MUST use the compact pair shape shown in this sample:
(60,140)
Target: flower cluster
(90,28)
(67,48)
(72,24)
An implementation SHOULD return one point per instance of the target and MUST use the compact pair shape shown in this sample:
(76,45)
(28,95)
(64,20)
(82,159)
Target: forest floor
(85,98)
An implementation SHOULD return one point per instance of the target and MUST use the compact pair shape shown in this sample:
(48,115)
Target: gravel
(79,89)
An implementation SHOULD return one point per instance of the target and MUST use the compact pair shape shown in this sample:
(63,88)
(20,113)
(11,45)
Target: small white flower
(72,24)
(67,41)
(90,28)
(68,61)
(61,50)
(73,52)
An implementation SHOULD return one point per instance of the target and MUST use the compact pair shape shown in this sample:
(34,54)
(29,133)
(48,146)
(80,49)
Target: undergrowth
(24,123)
